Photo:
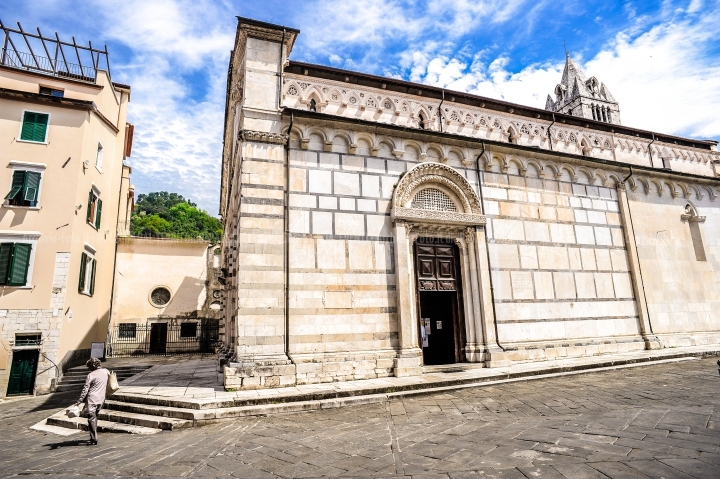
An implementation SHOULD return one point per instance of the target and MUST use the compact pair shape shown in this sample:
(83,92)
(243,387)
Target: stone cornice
(454,218)
(263,137)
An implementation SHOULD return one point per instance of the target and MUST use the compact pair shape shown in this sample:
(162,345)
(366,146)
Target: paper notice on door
(427,326)
(438,324)
(425,342)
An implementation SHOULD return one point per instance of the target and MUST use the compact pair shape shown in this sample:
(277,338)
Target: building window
(188,330)
(28,339)
(24,188)
(52,92)
(86,283)
(14,263)
(421,121)
(160,296)
(313,105)
(34,127)
(99,157)
(127,330)
(94,210)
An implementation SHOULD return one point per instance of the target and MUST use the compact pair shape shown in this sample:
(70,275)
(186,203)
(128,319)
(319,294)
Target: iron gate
(164,339)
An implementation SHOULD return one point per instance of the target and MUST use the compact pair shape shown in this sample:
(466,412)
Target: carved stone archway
(435,200)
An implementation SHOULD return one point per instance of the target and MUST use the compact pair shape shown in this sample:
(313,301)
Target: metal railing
(164,339)
(46,66)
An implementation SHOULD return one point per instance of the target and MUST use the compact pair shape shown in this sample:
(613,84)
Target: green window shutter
(83,266)
(20,264)
(92,277)
(32,186)
(28,126)
(89,210)
(99,213)
(6,250)
(17,184)
(34,126)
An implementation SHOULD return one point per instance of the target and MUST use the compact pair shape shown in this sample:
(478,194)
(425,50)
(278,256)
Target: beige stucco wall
(69,321)
(144,264)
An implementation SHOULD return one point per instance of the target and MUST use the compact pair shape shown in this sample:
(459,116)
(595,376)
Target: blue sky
(659,59)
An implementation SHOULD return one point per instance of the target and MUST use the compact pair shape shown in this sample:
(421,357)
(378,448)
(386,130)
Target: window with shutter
(91,287)
(20,264)
(83,266)
(99,213)
(92,207)
(17,186)
(32,187)
(6,250)
(25,188)
(34,127)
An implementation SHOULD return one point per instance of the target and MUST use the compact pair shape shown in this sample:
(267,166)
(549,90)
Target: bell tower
(587,98)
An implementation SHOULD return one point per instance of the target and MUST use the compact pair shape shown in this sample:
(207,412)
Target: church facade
(376,227)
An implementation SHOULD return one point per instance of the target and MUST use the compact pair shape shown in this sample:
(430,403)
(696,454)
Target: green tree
(169,215)
(159,203)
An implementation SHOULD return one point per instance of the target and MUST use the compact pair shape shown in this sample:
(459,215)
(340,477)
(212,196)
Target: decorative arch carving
(436,174)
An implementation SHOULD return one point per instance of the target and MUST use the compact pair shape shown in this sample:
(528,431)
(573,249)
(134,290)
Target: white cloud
(180,51)
(665,79)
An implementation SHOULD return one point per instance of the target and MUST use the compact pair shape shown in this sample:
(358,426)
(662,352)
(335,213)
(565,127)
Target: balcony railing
(47,66)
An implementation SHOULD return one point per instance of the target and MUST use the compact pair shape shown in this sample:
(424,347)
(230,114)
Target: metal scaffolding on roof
(60,59)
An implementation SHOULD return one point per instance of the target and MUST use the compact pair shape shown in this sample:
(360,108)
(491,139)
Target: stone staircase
(74,378)
(115,416)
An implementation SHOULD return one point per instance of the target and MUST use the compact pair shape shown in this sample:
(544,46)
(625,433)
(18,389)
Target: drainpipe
(549,134)
(650,149)
(287,237)
(487,250)
(440,110)
(632,225)
(280,70)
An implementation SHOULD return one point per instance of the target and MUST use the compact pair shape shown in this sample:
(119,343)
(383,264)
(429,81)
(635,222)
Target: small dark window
(421,121)
(127,330)
(52,92)
(28,339)
(160,296)
(188,330)
(313,105)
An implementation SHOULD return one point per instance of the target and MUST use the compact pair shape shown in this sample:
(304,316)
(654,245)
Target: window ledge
(17,287)
(34,208)
(32,142)
(92,226)
(85,293)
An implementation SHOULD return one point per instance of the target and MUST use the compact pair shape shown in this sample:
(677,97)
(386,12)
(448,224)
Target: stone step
(61,420)
(151,409)
(145,420)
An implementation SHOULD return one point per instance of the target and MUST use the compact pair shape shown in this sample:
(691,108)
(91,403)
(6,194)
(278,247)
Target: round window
(160,296)
(217,294)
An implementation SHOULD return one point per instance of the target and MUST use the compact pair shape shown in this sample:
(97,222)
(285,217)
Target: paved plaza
(652,421)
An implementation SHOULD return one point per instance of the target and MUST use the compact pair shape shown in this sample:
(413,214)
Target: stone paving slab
(196,382)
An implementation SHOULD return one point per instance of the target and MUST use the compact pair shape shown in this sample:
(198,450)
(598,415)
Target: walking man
(93,395)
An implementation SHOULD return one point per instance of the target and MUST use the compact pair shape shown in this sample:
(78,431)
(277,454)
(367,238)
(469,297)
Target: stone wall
(683,293)
(560,271)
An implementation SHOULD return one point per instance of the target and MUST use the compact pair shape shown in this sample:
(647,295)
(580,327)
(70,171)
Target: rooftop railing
(51,56)
(47,66)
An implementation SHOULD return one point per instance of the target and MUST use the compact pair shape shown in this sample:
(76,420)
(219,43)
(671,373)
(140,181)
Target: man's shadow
(73,443)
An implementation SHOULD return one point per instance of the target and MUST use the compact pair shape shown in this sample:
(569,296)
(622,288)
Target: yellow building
(64,137)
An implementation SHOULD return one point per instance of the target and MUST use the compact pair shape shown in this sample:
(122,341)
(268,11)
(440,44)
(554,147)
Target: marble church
(377,227)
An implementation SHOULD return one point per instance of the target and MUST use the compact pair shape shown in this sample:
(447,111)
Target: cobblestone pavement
(653,421)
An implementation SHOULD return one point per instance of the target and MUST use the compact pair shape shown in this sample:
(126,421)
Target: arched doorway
(442,278)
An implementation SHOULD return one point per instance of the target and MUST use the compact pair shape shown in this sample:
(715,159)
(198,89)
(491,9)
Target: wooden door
(22,372)
(438,285)
(158,338)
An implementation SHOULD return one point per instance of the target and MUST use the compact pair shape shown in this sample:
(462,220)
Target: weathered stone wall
(560,270)
(683,293)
